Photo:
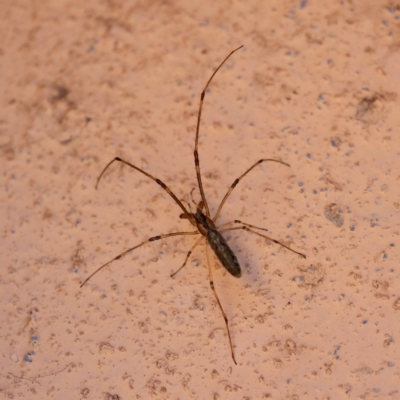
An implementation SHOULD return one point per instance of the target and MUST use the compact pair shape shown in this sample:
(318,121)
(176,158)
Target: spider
(201,219)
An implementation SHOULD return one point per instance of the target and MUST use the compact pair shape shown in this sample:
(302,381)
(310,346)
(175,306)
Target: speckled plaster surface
(316,86)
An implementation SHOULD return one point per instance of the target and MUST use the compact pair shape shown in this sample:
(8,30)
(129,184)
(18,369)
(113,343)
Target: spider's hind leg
(220,306)
(187,256)
(124,253)
(246,228)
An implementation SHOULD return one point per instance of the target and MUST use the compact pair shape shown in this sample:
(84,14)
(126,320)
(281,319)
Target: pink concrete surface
(316,85)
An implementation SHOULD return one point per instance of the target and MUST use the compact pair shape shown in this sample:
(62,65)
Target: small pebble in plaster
(28,358)
(303,4)
(335,352)
(195,262)
(110,396)
(334,213)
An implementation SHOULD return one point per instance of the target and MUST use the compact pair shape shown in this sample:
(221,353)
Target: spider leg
(187,256)
(236,181)
(162,184)
(220,305)
(123,254)
(246,228)
(199,206)
(236,221)
(196,153)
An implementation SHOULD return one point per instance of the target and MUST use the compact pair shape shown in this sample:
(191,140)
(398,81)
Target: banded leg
(199,206)
(188,255)
(220,306)
(236,181)
(162,184)
(196,147)
(184,216)
(264,236)
(123,254)
(236,221)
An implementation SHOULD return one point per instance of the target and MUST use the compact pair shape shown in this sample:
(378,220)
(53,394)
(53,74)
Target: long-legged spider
(205,225)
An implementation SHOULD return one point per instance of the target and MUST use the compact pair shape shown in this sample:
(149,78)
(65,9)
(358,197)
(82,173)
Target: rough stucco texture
(316,85)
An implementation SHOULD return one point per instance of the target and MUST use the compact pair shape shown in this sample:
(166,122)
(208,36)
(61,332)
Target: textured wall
(316,85)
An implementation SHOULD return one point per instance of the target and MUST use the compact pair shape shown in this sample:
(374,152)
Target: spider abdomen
(223,252)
